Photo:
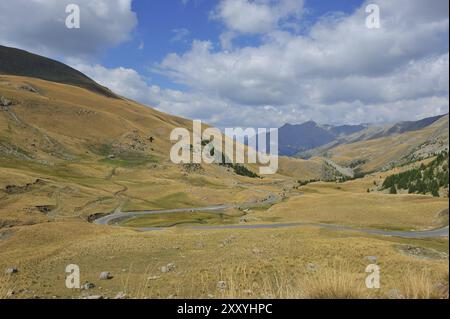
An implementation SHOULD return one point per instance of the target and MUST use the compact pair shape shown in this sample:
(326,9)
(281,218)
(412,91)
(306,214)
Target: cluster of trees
(422,180)
(306,182)
(237,168)
(356,175)
(244,171)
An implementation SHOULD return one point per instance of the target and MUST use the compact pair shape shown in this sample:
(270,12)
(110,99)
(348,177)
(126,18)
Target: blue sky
(252,63)
(159,22)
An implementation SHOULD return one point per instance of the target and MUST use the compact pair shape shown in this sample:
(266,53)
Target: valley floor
(45,226)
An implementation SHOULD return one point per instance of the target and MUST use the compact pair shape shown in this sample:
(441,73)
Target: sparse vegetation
(43,226)
(6,286)
(238,168)
(422,285)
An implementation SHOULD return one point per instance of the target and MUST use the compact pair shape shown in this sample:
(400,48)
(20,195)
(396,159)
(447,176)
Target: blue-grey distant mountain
(309,139)
(293,139)
(408,126)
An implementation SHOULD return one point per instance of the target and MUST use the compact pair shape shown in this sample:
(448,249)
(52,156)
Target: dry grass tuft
(422,285)
(335,282)
(6,286)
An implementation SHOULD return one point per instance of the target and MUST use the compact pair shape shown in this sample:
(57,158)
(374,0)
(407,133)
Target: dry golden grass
(254,263)
(422,285)
(336,282)
(349,204)
(6,286)
(380,152)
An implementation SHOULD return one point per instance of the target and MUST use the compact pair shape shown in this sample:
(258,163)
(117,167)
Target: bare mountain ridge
(301,137)
(22,63)
(310,139)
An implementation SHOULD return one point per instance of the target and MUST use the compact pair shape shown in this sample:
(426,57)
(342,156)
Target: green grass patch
(175,200)
(184,218)
(202,182)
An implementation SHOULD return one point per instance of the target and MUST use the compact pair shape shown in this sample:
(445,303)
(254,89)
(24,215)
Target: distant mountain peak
(298,138)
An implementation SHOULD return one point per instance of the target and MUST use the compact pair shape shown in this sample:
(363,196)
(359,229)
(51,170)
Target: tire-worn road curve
(120,216)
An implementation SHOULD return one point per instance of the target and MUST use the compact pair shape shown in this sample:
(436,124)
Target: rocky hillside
(395,149)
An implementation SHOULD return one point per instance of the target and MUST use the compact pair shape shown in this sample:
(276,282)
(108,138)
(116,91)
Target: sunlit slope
(382,153)
(52,121)
(49,122)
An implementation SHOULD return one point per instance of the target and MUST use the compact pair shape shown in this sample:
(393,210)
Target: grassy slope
(379,153)
(255,263)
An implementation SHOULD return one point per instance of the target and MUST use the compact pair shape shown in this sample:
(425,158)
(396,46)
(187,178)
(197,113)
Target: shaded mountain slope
(22,63)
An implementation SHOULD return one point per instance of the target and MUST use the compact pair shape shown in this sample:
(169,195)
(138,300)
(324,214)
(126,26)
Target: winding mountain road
(115,218)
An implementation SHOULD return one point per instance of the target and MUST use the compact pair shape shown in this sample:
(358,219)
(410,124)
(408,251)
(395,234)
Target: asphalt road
(120,216)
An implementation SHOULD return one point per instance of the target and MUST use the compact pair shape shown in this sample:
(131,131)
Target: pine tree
(393,190)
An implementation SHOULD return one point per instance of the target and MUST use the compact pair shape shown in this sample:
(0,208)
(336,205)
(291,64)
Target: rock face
(105,275)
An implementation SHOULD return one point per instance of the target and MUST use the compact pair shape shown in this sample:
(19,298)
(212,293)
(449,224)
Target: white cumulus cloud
(39,26)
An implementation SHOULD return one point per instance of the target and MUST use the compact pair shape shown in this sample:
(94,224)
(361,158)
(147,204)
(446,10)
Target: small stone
(221,285)
(105,275)
(121,295)
(11,271)
(87,286)
(4,101)
(311,267)
(168,268)
(394,294)
(372,259)
(200,245)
